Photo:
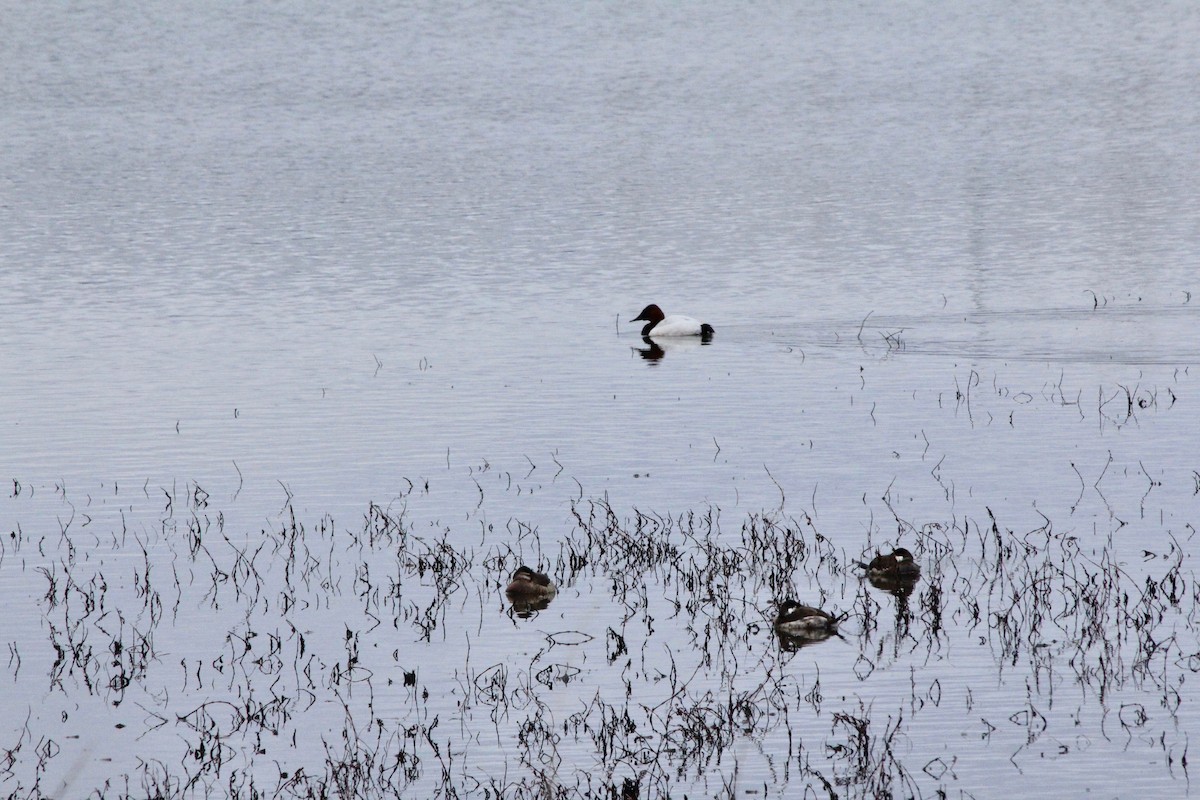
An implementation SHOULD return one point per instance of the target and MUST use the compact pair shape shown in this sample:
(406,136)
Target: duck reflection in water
(656,349)
(792,643)
(652,351)
(529,591)
(526,608)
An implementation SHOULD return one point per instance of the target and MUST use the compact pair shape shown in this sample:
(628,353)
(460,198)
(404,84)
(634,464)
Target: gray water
(264,266)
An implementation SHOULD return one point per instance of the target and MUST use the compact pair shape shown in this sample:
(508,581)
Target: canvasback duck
(659,324)
(804,621)
(527,585)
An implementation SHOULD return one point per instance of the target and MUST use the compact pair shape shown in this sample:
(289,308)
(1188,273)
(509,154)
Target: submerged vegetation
(155,650)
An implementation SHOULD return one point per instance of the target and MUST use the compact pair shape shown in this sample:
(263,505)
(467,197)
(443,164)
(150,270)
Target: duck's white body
(659,324)
(676,325)
(806,626)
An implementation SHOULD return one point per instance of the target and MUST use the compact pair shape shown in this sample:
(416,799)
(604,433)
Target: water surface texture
(315,324)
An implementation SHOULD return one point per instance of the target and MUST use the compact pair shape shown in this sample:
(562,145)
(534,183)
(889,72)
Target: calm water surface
(315,323)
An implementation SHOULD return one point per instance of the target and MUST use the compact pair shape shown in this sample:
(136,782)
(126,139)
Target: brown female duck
(529,585)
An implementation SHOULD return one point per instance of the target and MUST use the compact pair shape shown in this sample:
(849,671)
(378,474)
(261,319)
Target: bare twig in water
(863,325)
